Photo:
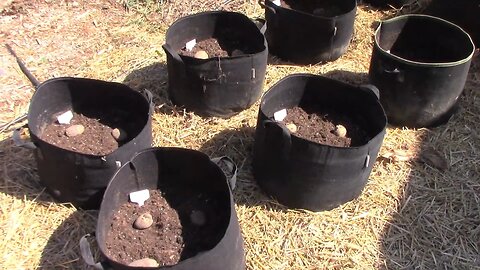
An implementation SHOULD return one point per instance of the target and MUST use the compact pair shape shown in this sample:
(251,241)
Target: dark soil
(162,241)
(95,140)
(320,127)
(174,235)
(325,8)
(228,45)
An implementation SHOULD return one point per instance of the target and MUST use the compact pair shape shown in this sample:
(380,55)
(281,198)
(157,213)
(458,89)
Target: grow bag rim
(308,75)
(150,111)
(354,9)
(423,64)
(216,12)
(153,149)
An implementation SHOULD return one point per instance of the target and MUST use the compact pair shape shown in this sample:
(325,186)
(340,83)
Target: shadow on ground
(437,222)
(62,250)
(19,173)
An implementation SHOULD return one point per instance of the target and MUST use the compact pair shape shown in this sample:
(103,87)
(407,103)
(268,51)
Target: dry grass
(411,214)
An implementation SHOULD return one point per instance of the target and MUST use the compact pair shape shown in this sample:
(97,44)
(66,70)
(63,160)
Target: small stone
(119,134)
(74,130)
(198,218)
(201,55)
(145,262)
(144,221)
(292,127)
(340,131)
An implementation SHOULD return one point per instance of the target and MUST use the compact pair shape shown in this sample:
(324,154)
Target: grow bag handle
(172,52)
(86,252)
(371,89)
(230,167)
(19,142)
(263,5)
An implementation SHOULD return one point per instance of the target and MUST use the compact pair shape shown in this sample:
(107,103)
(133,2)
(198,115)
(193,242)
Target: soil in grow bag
(176,232)
(216,47)
(325,127)
(322,8)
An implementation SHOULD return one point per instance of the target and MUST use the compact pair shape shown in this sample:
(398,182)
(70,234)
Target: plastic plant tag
(277,2)
(189,46)
(139,197)
(65,117)
(280,115)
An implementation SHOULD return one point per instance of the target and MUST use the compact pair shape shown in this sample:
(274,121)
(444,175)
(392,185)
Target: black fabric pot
(298,36)
(464,13)
(386,3)
(303,174)
(76,177)
(218,86)
(420,64)
(189,173)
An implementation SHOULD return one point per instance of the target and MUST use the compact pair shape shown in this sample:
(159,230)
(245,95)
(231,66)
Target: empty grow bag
(216,86)
(420,64)
(311,31)
(301,173)
(182,175)
(71,176)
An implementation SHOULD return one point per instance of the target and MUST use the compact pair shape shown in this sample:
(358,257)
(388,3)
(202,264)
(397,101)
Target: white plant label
(277,2)
(189,46)
(280,115)
(139,197)
(65,118)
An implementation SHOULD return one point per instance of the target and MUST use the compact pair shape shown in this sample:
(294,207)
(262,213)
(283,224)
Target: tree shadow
(436,224)
(354,78)
(19,173)
(62,250)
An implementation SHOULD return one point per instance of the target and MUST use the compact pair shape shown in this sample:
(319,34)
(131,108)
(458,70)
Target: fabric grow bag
(420,64)
(186,171)
(76,177)
(218,86)
(303,174)
(299,36)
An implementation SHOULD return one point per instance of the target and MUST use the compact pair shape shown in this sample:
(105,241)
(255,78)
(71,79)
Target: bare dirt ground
(420,209)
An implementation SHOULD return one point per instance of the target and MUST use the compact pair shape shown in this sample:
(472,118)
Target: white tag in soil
(189,46)
(280,115)
(139,197)
(65,118)
(277,2)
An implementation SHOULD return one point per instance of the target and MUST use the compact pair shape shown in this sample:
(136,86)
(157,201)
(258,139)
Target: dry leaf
(434,159)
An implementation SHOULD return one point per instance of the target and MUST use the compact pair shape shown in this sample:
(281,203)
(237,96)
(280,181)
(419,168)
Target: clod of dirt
(292,127)
(144,221)
(201,54)
(340,131)
(74,130)
(145,262)
(198,218)
(119,134)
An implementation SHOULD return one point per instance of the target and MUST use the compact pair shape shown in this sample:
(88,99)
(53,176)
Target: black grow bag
(186,174)
(76,177)
(218,86)
(299,36)
(420,64)
(303,174)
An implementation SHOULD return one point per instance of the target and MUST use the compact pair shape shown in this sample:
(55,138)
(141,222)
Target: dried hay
(411,214)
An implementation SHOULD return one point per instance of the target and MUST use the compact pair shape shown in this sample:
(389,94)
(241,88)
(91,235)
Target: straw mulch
(420,209)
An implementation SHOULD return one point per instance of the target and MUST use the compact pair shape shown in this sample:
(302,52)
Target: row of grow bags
(295,171)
